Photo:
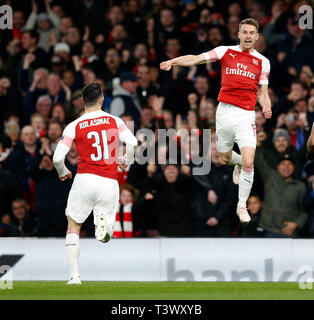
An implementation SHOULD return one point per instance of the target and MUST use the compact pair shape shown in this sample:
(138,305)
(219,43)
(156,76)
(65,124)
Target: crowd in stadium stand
(56,47)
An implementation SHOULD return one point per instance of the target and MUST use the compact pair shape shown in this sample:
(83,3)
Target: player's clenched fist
(166,65)
(67,176)
(267,113)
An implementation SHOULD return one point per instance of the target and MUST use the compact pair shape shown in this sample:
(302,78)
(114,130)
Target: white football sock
(236,159)
(73,252)
(245,185)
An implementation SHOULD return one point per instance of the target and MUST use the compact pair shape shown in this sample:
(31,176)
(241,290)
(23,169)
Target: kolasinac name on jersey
(94,122)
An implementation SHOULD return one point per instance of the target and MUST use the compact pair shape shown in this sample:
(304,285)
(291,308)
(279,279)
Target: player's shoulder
(222,50)
(260,56)
(234,48)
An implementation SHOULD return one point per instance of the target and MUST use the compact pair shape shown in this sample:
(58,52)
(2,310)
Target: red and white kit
(95,187)
(241,73)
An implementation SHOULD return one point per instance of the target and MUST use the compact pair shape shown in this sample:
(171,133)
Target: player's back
(96,135)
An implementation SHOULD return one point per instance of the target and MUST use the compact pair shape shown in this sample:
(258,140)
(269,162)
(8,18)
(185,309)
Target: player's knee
(73,225)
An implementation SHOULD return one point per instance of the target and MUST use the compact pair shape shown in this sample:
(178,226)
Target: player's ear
(101,100)
(257,36)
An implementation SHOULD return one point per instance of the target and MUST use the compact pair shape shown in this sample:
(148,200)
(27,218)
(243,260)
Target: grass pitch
(58,290)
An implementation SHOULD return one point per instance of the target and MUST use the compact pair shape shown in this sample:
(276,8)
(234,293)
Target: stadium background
(55,48)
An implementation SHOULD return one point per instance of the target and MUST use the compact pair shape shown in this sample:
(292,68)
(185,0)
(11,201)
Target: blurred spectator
(65,24)
(77,106)
(23,223)
(50,206)
(18,24)
(10,98)
(5,147)
(23,160)
(9,189)
(298,91)
(252,229)
(172,202)
(12,130)
(125,224)
(214,198)
(48,24)
(73,39)
(107,98)
(134,20)
(4,225)
(54,133)
(44,105)
(38,122)
(30,40)
(59,112)
(144,89)
(281,146)
(295,50)
(88,53)
(56,89)
(308,200)
(125,99)
(282,213)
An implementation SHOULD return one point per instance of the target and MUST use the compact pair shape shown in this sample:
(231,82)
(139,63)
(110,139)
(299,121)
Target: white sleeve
(263,79)
(126,136)
(63,147)
(215,54)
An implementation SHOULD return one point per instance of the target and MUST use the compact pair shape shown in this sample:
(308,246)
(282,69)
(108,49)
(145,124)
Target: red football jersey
(96,135)
(241,73)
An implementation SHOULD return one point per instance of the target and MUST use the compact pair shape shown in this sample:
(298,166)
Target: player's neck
(250,50)
(92,109)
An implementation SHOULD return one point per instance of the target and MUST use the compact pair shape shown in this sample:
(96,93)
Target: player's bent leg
(73,249)
(105,209)
(231,158)
(102,229)
(245,182)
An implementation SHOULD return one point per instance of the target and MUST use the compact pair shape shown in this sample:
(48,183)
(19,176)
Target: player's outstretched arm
(183,61)
(58,161)
(264,101)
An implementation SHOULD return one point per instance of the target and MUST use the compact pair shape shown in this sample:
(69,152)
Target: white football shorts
(234,124)
(89,193)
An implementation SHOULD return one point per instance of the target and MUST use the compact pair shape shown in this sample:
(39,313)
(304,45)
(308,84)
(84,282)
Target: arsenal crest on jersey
(256,62)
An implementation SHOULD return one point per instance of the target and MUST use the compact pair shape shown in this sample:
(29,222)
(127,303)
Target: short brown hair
(251,22)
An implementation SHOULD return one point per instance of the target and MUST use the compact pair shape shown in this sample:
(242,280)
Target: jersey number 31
(101,154)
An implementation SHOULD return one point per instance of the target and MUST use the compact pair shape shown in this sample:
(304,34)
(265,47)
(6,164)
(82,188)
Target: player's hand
(166,65)
(267,113)
(122,163)
(289,229)
(67,176)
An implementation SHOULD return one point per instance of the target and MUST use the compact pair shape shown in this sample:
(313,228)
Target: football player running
(95,187)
